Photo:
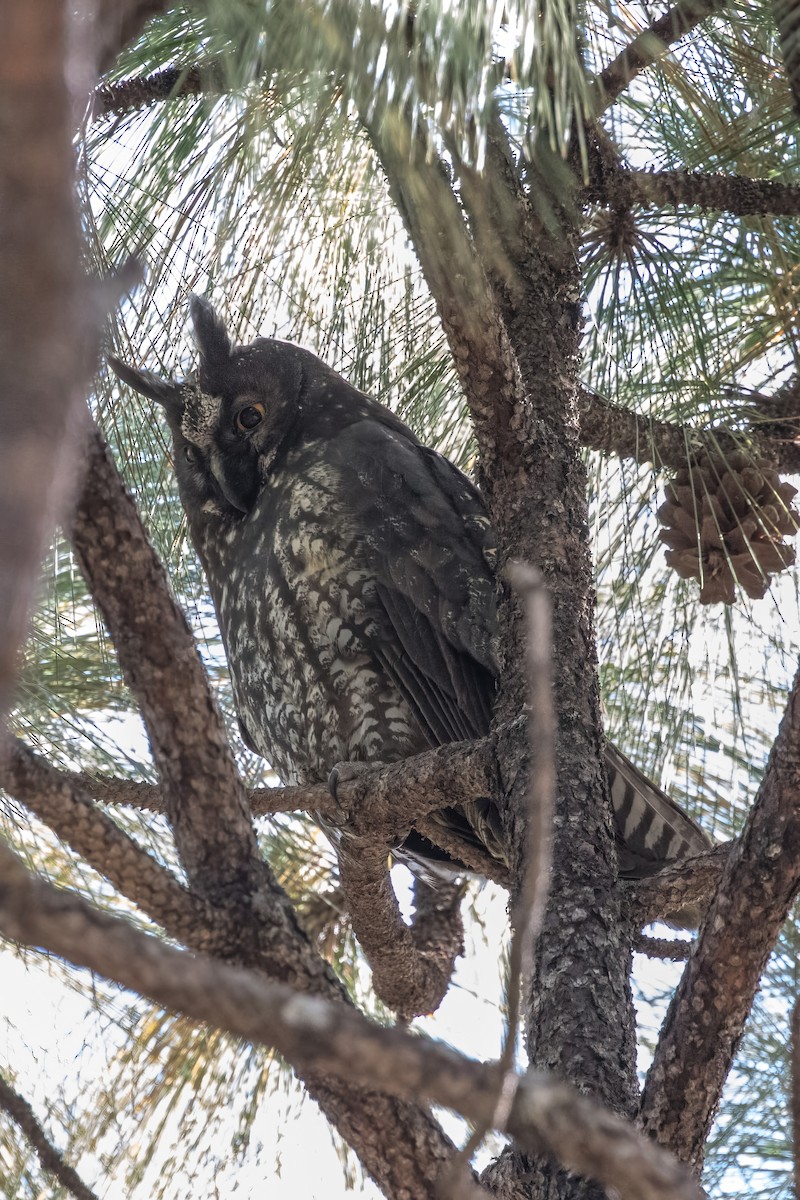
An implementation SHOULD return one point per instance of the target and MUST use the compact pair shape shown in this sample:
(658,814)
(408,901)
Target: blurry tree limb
(117,22)
(708,1012)
(794,1094)
(46,332)
(335,1040)
(52,1160)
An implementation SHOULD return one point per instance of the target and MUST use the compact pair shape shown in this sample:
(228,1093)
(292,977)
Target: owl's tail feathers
(653,829)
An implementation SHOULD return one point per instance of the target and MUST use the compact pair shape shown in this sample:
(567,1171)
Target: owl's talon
(333,785)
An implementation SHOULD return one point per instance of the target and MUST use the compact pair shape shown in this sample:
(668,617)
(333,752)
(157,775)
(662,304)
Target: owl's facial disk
(216,460)
(230,419)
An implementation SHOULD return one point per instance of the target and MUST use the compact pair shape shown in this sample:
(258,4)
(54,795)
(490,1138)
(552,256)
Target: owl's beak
(237,486)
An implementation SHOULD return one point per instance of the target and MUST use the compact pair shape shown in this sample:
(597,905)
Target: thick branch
(688,883)
(334,1040)
(648,47)
(51,1159)
(76,819)
(378,802)
(737,194)
(613,429)
(708,1012)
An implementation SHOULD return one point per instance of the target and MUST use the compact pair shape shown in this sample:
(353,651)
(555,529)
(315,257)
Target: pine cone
(725,519)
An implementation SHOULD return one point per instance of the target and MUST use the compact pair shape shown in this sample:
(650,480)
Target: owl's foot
(344,772)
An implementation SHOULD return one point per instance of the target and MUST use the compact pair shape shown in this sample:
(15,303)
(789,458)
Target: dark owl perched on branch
(352,573)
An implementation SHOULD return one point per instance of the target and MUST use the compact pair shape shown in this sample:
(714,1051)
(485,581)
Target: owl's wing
(426,540)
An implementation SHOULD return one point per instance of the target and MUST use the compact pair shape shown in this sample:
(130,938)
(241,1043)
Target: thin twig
(531,900)
(51,1159)
(335,1040)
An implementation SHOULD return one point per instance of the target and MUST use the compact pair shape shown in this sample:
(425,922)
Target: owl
(352,573)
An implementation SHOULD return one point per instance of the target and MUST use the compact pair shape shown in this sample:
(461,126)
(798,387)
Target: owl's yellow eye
(247,418)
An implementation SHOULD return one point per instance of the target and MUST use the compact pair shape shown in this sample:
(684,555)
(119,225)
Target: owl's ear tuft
(163,391)
(210,334)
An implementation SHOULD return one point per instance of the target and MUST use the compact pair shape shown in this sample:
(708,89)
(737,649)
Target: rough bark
(540,505)
(706,1018)
(411,965)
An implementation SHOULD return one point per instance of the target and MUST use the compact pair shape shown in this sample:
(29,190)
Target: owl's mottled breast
(294,597)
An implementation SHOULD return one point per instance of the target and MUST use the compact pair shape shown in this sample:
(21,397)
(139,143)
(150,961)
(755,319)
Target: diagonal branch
(337,1041)
(648,47)
(76,819)
(708,1012)
(51,1159)
(399,1144)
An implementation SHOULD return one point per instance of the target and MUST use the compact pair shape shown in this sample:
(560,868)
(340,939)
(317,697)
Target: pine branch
(648,47)
(142,91)
(411,971)
(332,1040)
(612,429)
(376,802)
(76,819)
(708,1012)
(737,194)
(52,1160)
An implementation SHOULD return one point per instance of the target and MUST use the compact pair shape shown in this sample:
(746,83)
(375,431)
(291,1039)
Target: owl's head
(231,418)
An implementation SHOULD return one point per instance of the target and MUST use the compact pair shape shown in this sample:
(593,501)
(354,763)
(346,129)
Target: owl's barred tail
(653,828)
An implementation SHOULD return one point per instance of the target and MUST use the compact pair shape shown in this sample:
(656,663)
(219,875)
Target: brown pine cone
(725,519)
